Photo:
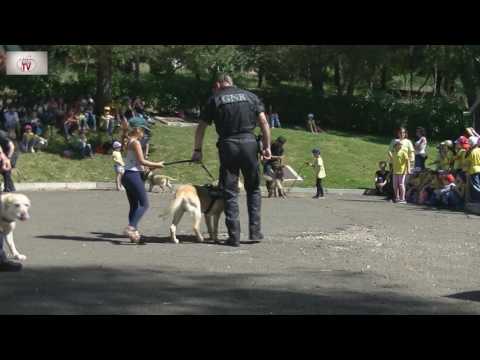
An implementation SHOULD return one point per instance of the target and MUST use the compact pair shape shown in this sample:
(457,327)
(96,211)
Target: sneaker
(316,197)
(401,202)
(10,266)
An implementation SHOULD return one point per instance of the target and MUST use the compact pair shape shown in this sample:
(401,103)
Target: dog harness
(215,194)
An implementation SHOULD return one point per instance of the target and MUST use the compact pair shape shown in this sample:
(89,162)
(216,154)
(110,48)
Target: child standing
(420,149)
(320,173)
(119,165)
(401,168)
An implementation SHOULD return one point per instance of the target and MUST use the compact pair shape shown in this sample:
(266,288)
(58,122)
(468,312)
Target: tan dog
(13,207)
(197,200)
(163,181)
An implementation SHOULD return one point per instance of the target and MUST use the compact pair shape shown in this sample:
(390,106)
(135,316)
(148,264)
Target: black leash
(178,162)
(191,161)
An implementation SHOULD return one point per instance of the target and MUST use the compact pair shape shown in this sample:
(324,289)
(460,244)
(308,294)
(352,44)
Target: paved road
(342,255)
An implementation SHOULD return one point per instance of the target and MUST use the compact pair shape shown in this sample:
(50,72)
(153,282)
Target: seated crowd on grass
(453,180)
(31,126)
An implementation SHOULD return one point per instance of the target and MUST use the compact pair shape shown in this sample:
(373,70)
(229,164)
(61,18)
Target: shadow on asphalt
(111,238)
(379,201)
(168,290)
(470,295)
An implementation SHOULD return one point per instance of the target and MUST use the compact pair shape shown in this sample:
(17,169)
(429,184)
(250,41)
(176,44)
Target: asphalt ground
(346,254)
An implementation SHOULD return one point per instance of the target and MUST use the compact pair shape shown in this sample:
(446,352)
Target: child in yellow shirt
(320,173)
(119,165)
(401,168)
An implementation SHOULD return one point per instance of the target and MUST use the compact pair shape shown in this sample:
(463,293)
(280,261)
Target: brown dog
(197,200)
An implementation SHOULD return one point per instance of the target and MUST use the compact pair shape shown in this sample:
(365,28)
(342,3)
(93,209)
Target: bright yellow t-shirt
(28,136)
(474,160)
(400,162)
(459,159)
(117,158)
(319,168)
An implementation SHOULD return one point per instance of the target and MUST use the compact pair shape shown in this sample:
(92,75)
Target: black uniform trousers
(240,154)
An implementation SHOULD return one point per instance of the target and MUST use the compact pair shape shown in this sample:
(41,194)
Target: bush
(379,113)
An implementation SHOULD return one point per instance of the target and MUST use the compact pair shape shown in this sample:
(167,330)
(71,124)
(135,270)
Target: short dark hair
(224,78)
(281,140)
(422,130)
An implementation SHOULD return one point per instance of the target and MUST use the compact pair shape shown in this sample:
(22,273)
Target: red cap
(450,178)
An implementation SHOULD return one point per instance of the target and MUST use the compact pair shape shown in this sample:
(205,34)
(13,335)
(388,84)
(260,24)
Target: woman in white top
(133,183)
(420,149)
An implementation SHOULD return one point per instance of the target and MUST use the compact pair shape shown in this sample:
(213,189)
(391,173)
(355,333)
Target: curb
(75,186)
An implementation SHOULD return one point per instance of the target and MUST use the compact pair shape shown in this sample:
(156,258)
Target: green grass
(350,160)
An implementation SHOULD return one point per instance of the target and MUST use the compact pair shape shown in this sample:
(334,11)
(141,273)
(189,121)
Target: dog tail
(173,206)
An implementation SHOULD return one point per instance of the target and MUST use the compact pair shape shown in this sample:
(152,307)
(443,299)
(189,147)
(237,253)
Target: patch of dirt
(343,238)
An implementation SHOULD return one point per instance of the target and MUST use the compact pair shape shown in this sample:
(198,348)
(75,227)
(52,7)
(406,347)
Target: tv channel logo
(27,63)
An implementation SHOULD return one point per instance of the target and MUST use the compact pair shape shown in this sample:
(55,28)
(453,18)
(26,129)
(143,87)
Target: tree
(103,59)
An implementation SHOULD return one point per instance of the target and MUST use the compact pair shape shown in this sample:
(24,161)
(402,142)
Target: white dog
(13,207)
(163,181)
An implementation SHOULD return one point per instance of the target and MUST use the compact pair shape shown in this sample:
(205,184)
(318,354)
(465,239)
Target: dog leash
(191,161)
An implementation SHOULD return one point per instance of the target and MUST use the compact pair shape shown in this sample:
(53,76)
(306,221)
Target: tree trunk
(352,78)
(338,78)
(383,79)
(411,86)
(261,76)
(104,76)
(88,60)
(136,72)
(317,79)
(438,82)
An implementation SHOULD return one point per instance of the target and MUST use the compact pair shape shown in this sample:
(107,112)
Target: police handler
(236,113)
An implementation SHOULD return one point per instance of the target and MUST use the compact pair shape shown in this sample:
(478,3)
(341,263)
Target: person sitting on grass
(428,187)
(71,124)
(90,116)
(107,121)
(412,187)
(119,165)
(28,140)
(444,195)
(85,146)
(381,178)
(320,173)
(445,157)
(460,189)
(401,168)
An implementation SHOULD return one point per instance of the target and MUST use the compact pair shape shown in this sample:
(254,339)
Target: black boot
(233,233)
(257,236)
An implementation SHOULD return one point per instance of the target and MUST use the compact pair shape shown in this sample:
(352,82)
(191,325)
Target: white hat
(116,145)
(473,140)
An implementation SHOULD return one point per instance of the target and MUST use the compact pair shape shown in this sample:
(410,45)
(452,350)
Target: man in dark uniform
(236,113)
